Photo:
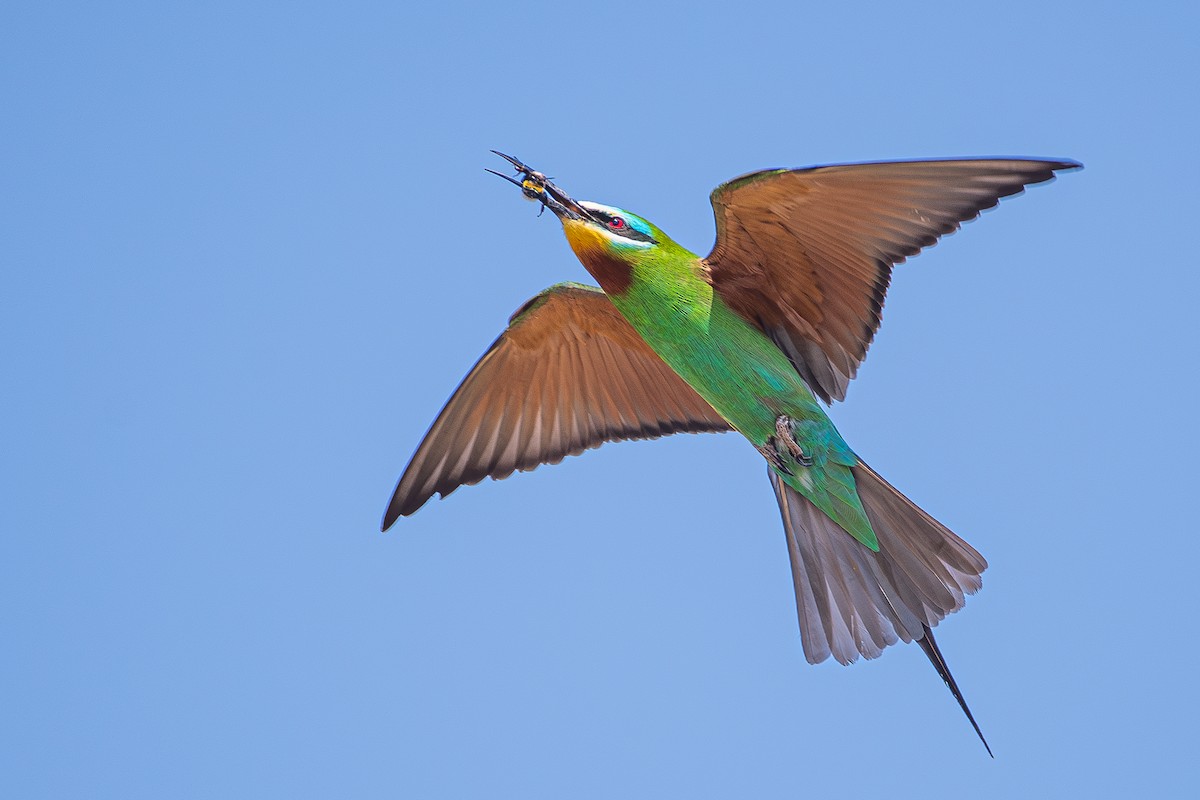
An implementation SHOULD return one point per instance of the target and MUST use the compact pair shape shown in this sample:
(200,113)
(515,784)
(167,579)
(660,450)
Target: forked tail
(854,602)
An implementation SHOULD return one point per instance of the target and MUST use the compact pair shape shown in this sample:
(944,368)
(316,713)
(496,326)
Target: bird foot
(782,444)
(785,434)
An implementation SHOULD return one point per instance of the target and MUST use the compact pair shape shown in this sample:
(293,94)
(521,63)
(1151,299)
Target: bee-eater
(749,338)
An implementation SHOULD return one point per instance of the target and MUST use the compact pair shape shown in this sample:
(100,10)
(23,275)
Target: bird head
(608,240)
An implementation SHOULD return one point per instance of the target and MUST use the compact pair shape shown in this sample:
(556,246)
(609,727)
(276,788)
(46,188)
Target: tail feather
(853,602)
(934,653)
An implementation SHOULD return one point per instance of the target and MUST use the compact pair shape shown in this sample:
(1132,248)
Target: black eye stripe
(626,229)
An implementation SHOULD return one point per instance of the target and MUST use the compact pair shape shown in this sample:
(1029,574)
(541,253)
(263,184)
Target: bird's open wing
(807,254)
(567,375)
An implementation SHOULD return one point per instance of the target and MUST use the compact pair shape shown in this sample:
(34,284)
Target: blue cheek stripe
(628,244)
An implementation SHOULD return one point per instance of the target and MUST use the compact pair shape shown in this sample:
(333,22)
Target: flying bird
(753,338)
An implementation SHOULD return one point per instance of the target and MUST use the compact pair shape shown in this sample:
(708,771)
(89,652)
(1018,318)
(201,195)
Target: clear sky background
(248,249)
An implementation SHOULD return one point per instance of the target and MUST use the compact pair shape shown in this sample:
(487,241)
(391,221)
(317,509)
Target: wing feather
(807,254)
(567,375)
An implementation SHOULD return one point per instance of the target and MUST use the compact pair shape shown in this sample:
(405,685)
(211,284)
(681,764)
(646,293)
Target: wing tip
(1066,165)
(389,517)
(400,507)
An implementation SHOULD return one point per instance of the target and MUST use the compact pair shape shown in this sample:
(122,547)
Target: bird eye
(616,223)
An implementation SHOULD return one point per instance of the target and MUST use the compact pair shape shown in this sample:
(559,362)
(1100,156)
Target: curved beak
(536,186)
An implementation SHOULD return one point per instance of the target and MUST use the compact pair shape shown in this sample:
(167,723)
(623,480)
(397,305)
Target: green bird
(751,338)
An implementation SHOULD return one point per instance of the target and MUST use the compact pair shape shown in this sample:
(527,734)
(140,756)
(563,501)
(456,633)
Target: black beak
(537,186)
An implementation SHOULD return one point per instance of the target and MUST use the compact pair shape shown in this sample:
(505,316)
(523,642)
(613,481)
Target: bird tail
(854,602)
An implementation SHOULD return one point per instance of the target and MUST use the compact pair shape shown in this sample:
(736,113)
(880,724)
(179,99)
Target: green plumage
(741,373)
(777,317)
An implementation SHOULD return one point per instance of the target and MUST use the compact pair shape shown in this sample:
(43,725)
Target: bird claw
(785,439)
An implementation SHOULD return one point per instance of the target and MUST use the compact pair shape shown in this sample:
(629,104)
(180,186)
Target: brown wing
(807,254)
(567,375)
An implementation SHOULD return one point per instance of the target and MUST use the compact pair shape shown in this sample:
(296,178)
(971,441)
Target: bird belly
(753,385)
(733,366)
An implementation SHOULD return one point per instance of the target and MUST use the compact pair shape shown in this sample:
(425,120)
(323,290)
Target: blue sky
(248,250)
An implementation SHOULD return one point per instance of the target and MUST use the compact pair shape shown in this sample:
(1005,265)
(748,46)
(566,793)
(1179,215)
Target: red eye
(616,223)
